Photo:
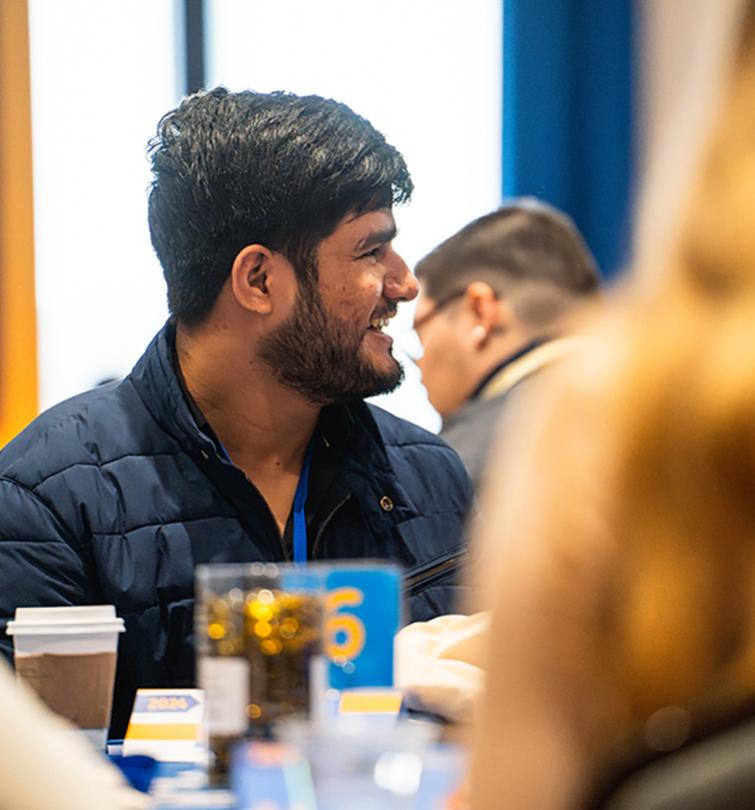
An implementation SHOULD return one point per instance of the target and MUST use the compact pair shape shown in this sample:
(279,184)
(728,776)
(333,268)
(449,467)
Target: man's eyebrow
(377,237)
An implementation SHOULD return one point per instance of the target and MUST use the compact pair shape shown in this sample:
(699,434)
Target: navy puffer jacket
(115,495)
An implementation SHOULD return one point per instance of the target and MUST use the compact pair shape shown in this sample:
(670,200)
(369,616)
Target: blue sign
(363,616)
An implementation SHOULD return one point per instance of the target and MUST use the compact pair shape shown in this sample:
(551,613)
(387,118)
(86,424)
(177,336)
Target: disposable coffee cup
(68,656)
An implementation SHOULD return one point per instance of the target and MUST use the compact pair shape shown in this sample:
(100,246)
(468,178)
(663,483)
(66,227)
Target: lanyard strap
(300,501)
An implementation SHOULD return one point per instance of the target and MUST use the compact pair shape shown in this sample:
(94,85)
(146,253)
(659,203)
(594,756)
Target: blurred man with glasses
(495,301)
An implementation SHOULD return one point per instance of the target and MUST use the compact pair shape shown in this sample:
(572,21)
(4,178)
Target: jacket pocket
(433,572)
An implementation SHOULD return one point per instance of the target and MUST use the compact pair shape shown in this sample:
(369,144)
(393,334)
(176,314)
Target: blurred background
(485,98)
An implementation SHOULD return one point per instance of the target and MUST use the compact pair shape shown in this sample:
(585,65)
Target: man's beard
(319,356)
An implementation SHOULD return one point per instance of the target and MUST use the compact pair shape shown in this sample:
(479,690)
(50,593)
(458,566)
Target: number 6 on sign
(363,613)
(344,632)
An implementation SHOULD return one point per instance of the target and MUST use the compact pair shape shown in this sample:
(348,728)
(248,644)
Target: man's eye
(374,253)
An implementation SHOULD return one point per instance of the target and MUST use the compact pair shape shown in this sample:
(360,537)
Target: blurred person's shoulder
(471,429)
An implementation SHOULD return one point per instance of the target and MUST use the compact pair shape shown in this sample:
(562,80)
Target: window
(102,75)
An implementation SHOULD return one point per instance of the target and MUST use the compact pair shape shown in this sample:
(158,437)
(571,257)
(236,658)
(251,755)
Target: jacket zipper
(324,524)
(414,581)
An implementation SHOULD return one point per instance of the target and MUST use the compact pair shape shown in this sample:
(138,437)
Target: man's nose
(400,283)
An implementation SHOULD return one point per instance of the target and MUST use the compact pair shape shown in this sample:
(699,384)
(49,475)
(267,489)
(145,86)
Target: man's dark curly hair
(233,169)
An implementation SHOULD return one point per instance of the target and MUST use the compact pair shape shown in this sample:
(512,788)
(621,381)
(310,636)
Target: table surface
(275,776)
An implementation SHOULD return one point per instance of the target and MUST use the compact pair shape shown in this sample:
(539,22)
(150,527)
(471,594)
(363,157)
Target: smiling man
(271,215)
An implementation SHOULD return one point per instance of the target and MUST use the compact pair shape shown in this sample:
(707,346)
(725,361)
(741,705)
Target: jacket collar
(350,428)
(527,360)
(502,365)
(159,386)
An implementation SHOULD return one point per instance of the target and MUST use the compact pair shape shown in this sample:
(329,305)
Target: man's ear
(490,314)
(250,276)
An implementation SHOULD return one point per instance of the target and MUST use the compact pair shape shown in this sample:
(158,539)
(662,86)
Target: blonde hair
(685,504)
(630,502)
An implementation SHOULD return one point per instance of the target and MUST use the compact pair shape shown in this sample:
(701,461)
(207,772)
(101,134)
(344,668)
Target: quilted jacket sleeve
(40,563)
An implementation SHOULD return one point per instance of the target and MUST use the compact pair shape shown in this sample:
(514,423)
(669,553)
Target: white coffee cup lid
(74,619)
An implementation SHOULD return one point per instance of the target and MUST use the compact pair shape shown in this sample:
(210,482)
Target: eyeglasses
(442,304)
(411,343)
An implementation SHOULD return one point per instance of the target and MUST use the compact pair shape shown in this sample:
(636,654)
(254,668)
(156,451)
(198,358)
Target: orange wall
(18,334)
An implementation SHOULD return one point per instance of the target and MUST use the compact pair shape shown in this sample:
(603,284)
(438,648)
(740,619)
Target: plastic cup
(68,656)
(357,764)
(283,636)
(259,632)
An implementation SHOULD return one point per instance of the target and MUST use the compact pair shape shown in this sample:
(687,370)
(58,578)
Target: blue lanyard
(300,501)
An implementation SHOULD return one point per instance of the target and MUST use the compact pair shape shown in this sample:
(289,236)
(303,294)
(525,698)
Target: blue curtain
(568,114)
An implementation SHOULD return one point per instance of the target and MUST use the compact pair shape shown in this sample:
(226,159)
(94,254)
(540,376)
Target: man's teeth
(379,323)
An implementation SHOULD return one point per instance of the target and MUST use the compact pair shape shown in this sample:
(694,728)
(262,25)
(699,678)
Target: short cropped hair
(233,169)
(526,251)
